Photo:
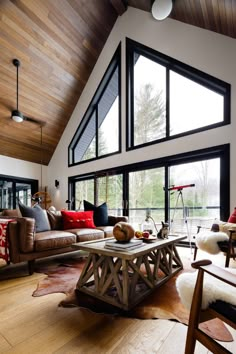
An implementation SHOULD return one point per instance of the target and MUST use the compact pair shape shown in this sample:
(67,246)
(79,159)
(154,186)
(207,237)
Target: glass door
(110,190)
(146,196)
(84,190)
(198,202)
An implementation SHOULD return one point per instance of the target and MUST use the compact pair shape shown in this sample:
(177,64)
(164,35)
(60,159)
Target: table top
(98,247)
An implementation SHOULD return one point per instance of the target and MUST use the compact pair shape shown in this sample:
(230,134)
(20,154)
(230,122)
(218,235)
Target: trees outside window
(110,190)
(168,99)
(136,189)
(98,134)
(146,194)
(200,202)
(84,190)
(165,99)
(149,101)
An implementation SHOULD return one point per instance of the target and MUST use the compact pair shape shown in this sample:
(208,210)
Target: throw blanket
(207,241)
(4,243)
(214,289)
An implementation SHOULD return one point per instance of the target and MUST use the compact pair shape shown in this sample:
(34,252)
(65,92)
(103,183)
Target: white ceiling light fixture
(161,9)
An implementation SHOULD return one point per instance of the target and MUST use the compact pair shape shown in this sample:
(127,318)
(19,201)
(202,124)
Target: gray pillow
(37,213)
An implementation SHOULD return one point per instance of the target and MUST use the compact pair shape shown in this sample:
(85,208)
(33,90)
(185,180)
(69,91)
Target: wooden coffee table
(124,278)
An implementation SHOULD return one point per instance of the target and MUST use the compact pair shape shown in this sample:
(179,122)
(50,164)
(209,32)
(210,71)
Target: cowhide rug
(163,303)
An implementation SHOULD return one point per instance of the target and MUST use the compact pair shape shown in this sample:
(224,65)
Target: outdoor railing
(184,220)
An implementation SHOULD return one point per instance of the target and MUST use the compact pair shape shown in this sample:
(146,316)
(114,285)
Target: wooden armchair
(225,311)
(228,247)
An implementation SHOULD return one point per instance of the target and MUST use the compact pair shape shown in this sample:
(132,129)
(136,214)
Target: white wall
(210,52)
(24,169)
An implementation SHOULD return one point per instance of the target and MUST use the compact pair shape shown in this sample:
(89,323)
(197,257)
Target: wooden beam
(119,5)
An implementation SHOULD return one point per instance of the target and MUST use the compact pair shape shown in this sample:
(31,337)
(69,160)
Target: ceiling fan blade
(33,120)
(6,105)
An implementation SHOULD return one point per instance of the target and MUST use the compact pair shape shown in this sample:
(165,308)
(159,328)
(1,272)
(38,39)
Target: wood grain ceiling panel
(58,43)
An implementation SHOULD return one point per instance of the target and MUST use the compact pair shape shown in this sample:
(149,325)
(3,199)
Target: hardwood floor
(37,325)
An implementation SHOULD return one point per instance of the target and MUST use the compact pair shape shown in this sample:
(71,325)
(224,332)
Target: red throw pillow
(77,219)
(232,217)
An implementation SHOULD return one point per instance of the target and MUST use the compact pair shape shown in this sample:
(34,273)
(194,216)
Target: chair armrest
(112,220)
(231,236)
(217,272)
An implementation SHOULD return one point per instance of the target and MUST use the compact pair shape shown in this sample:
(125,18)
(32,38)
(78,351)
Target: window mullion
(167,102)
(167,202)
(96,130)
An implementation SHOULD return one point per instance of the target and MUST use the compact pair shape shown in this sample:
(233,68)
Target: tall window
(98,134)
(146,194)
(198,202)
(149,101)
(136,189)
(84,190)
(98,189)
(167,98)
(110,190)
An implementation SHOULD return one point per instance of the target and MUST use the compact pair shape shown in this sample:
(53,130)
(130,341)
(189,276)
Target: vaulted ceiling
(58,43)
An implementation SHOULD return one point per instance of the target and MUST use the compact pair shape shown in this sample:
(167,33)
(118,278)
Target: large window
(99,189)
(84,190)
(186,190)
(167,99)
(149,101)
(146,194)
(110,190)
(13,189)
(98,134)
(197,200)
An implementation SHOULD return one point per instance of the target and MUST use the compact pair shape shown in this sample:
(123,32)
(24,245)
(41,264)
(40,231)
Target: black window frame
(221,151)
(114,64)
(221,87)
(14,180)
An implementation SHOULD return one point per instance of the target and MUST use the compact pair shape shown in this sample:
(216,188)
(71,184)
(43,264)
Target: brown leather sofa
(25,245)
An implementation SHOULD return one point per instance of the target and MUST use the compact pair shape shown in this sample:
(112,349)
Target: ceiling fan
(17,115)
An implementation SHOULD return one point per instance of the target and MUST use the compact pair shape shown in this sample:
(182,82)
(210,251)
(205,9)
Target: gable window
(167,98)
(98,134)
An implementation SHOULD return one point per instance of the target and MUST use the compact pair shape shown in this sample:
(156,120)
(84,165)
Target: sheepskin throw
(207,241)
(213,289)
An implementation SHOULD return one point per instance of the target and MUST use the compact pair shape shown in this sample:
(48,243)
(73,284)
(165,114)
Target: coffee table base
(124,283)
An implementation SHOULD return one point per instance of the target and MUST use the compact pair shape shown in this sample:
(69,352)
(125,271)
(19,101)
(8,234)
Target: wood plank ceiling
(58,43)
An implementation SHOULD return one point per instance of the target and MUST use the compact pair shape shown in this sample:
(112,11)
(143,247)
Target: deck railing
(182,220)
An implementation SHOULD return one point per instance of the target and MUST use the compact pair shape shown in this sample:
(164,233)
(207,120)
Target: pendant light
(161,9)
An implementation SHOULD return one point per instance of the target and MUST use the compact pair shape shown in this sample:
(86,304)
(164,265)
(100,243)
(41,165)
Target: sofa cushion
(37,213)
(53,239)
(87,234)
(77,219)
(100,216)
(108,230)
(55,219)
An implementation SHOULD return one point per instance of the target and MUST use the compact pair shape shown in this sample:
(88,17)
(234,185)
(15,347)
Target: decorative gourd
(123,231)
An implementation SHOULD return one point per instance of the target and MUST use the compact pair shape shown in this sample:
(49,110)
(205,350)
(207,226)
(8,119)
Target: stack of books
(120,246)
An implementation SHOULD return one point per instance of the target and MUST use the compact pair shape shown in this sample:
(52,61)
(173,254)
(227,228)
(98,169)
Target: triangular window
(98,134)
